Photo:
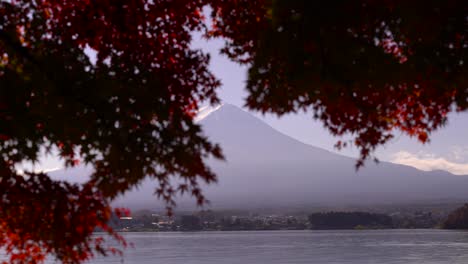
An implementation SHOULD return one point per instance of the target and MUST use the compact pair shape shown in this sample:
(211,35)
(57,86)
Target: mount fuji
(265,168)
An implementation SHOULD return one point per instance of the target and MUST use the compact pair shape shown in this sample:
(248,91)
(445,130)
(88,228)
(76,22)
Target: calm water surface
(275,247)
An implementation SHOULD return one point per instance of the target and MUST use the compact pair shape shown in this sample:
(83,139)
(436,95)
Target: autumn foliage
(458,219)
(365,68)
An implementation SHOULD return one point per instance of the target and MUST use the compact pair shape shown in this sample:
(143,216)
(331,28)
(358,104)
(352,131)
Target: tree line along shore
(208,220)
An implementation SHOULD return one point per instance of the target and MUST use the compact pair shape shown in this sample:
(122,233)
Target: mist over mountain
(267,169)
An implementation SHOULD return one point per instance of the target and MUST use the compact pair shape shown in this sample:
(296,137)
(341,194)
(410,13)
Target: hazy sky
(448,149)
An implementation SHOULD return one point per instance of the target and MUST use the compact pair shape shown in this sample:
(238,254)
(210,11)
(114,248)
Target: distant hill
(266,168)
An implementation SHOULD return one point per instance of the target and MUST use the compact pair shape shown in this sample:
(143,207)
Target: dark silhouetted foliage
(190,223)
(365,68)
(458,219)
(349,220)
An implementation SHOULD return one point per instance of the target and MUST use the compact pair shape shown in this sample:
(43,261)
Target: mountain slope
(266,168)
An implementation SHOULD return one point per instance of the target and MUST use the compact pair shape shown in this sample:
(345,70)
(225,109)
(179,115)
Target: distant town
(225,220)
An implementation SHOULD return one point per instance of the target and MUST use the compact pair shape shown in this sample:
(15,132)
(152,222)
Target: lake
(275,247)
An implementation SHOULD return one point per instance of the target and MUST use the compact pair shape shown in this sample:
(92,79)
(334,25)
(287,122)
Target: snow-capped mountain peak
(205,111)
